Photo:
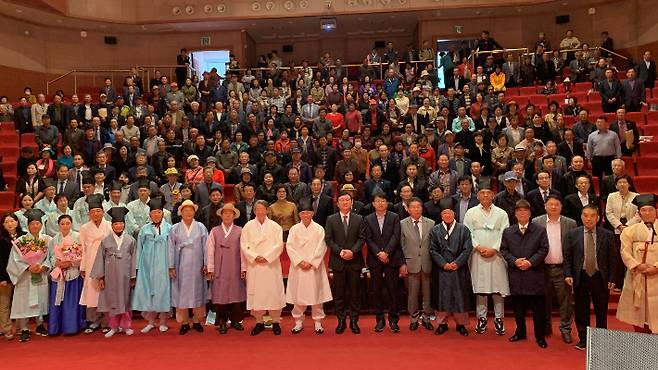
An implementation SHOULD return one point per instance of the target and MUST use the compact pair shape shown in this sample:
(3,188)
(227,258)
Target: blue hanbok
(153,288)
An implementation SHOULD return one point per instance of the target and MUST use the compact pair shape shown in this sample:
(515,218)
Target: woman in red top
(353,119)
(283,144)
(337,120)
(426,151)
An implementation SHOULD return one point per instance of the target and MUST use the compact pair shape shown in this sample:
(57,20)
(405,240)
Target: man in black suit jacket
(611,92)
(646,70)
(64,186)
(246,205)
(376,182)
(344,238)
(621,124)
(589,266)
(537,197)
(382,233)
(633,92)
(390,170)
(465,195)
(573,203)
(323,206)
(609,183)
(525,246)
(570,146)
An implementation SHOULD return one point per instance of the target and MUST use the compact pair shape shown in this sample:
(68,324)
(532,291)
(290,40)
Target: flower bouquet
(68,252)
(33,251)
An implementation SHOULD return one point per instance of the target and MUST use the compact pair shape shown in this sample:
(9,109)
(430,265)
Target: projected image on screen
(204,61)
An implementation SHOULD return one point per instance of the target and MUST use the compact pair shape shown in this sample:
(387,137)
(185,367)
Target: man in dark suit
(325,155)
(557,229)
(589,266)
(611,92)
(323,205)
(570,146)
(633,92)
(246,205)
(609,183)
(110,171)
(65,186)
(620,126)
(646,70)
(381,230)
(524,246)
(465,198)
(573,203)
(537,197)
(376,182)
(344,238)
(390,170)
(207,214)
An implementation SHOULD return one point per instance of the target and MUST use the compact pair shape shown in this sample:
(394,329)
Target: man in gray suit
(557,228)
(417,267)
(512,71)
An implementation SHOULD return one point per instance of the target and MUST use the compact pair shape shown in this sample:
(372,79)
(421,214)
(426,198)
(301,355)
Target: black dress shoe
(41,331)
(354,326)
(481,326)
(276,328)
(237,326)
(197,327)
(542,343)
(25,336)
(428,325)
(461,329)
(184,329)
(395,328)
(319,331)
(258,328)
(566,337)
(499,327)
(516,338)
(442,328)
(413,326)
(581,346)
(379,327)
(340,328)
(296,330)
(222,329)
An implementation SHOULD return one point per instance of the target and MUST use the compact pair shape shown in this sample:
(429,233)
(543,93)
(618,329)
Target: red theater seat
(646,184)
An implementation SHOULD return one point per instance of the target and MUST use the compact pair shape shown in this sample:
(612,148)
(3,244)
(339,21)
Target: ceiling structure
(56,13)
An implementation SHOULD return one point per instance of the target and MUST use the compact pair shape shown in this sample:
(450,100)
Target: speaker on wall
(287,48)
(110,40)
(380,44)
(561,19)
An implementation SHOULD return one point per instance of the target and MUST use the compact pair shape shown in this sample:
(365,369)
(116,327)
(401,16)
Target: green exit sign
(458,29)
(205,40)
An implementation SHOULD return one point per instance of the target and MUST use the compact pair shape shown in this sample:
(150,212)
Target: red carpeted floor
(209,350)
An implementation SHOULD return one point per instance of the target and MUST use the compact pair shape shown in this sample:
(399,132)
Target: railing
(143,71)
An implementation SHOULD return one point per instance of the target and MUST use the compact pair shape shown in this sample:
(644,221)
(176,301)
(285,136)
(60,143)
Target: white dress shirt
(554,231)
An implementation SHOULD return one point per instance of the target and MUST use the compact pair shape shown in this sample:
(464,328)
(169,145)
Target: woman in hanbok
(152,294)
(115,270)
(26,203)
(11,229)
(187,267)
(308,284)
(28,270)
(227,270)
(52,222)
(65,314)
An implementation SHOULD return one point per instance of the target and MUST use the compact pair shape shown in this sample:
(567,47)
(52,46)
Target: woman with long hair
(11,229)
(30,184)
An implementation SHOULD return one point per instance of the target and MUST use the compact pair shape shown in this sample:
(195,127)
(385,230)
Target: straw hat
(187,203)
(229,207)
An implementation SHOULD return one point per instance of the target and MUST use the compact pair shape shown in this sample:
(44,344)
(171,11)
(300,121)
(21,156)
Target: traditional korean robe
(51,227)
(451,290)
(188,255)
(30,299)
(638,304)
(153,287)
(308,287)
(116,264)
(226,262)
(80,212)
(65,314)
(488,275)
(264,280)
(90,238)
(139,216)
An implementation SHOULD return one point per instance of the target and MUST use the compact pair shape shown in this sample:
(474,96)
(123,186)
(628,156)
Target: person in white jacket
(308,284)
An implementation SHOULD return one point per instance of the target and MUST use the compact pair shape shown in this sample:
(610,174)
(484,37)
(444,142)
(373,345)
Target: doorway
(205,60)
(449,54)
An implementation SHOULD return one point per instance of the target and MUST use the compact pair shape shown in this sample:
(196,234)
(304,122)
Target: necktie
(545,195)
(78,176)
(315,204)
(590,254)
(622,131)
(522,228)
(417,229)
(345,224)
(61,187)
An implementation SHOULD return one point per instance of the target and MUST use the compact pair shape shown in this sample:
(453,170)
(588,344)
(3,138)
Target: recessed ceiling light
(59,21)
(19,10)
